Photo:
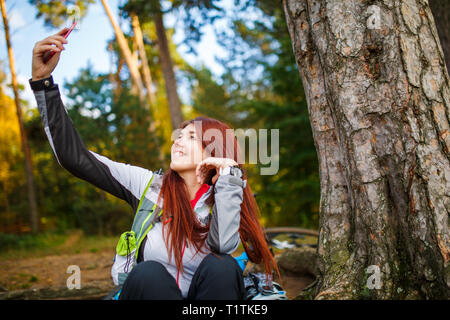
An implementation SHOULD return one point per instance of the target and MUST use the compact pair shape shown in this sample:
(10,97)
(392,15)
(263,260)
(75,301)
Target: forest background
(136,69)
(232,60)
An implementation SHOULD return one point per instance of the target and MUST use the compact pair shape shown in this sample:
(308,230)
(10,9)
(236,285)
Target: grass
(75,242)
(16,248)
(21,281)
(71,242)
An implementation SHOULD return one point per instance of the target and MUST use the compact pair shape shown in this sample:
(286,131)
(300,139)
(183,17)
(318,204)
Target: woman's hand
(212,163)
(39,69)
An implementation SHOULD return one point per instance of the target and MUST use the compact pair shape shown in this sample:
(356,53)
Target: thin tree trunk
(378,97)
(147,76)
(168,73)
(135,54)
(5,196)
(34,214)
(123,45)
(132,62)
(112,75)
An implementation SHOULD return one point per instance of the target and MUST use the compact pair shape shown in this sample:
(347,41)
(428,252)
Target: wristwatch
(231,170)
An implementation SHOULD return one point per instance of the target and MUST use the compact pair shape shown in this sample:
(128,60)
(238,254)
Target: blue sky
(86,44)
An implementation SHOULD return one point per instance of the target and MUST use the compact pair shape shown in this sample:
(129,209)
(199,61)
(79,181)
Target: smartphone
(49,54)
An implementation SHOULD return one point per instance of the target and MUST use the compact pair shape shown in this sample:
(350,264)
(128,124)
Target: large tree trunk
(34,214)
(378,97)
(168,73)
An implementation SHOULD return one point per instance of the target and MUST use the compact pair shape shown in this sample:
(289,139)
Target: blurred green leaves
(56,13)
(260,89)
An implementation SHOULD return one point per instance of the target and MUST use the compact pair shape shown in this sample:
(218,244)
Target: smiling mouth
(178,153)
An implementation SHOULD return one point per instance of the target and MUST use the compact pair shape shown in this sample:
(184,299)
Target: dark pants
(218,277)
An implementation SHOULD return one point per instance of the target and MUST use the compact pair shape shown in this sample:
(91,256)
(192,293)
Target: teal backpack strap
(140,236)
(127,240)
(145,191)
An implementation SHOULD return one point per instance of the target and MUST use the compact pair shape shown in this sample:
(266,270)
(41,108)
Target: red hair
(184,224)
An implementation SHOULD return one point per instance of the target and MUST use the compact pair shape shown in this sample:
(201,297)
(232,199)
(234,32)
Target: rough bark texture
(378,98)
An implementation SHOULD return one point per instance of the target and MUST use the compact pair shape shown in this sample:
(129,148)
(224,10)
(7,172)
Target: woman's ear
(212,176)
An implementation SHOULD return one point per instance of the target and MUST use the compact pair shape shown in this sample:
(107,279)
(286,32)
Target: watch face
(226,170)
(236,171)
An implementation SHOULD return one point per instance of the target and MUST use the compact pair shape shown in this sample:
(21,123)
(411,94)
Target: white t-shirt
(155,249)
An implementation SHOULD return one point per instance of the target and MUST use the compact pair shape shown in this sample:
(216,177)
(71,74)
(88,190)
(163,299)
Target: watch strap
(230,170)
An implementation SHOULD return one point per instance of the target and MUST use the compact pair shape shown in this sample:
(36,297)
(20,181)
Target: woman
(188,221)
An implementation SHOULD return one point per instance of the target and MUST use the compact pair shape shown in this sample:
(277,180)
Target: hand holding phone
(46,54)
(49,54)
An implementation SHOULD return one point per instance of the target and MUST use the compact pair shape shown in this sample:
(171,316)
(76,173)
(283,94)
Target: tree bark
(378,98)
(34,214)
(168,73)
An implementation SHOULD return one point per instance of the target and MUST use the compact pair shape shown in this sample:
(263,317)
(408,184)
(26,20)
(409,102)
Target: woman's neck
(190,179)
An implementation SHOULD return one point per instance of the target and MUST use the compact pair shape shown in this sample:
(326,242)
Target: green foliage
(208,97)
(112,123)
(29,241)
(116,126)
(73,241)
(262,89)
(57,13)
(192,15)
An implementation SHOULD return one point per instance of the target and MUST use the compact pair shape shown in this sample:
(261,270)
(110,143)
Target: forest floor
(44,269)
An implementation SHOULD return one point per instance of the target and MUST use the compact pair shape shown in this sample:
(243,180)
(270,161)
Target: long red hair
(185,227)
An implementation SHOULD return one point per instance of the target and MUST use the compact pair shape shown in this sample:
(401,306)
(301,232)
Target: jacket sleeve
(223,236)
(121,180)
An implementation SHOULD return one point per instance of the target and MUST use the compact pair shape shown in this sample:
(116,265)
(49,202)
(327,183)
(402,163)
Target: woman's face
(187,150)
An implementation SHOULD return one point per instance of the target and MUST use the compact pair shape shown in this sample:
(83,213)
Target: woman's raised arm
(121,180)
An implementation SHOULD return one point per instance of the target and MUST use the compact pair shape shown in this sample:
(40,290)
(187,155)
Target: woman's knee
(150,280)
(147,268)
(221,265)
(144,274)
(217,277)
